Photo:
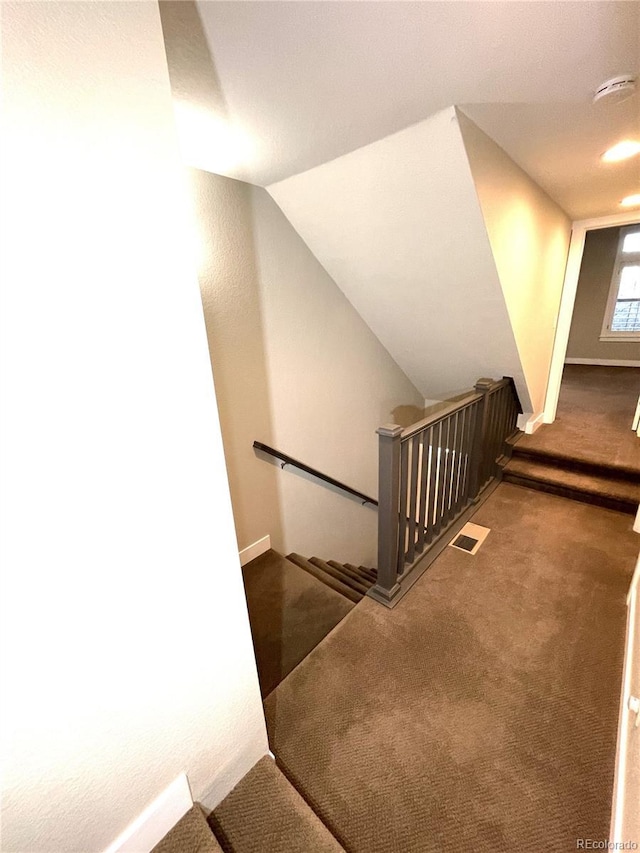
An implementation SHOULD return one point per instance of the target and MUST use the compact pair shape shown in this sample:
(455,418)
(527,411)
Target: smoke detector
(617,89)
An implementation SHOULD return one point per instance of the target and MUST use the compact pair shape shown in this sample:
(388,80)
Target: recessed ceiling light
(631,201)
(623,150)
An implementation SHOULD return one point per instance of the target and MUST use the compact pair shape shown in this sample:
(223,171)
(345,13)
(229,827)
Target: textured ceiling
(268,89)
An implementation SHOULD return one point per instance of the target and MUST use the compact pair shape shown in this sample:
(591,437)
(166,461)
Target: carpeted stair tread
(191,834)
(364,570)
(265,814)
(328,579)
(611,492)
(575,461)
(353,572)
(340,574)
(593,423)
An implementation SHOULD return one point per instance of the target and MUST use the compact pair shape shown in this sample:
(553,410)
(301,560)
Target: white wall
(529,236)
(332,384)
(398,226)
(126,649)
(296,368)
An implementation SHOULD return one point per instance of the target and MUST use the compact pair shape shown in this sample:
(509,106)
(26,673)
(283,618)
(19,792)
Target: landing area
(481,713)
(593,422)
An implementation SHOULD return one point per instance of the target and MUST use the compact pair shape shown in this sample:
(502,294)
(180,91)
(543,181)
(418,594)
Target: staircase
(263,814)
(589,453)
(613,487)
(353,582)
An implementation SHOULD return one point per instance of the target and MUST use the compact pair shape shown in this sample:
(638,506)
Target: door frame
(579,230)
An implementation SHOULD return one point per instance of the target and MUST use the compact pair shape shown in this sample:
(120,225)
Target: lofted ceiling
(267,89)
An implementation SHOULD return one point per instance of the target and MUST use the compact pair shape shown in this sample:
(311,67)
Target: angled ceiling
(385,225)
(269,89)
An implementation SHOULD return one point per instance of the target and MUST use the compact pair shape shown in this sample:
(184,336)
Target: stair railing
(285,459)
(431,473)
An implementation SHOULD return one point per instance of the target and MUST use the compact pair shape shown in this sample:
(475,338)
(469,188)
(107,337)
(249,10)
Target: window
(622,317)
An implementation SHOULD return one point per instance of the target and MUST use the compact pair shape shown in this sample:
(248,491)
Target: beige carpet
(265,814)
(593,422)
(480,714)
(190,835)
(290,613)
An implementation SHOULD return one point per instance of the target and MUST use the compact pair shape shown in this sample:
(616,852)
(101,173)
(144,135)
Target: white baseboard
(604,362)
(149,828)
(529,422)
(252,551)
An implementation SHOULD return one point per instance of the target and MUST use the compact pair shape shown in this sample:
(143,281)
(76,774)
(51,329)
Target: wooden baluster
(404,478)
(457,482)
(413,498)
(424,488)
(442,474)
(453,459)
(468,451)
(436,441)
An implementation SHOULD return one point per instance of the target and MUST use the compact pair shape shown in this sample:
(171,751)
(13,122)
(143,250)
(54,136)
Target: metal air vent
(470,538)
(465,542)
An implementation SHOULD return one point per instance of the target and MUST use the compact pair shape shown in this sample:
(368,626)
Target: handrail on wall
(289,460)
(431,475)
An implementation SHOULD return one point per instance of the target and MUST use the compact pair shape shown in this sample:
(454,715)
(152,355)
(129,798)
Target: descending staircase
(293,604)
(613,487)
(263,814)
(353,582)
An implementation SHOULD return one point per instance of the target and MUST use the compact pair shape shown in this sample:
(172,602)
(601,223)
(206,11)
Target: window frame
(622,259)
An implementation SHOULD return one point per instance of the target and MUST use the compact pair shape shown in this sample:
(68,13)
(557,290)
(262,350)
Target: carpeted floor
(481,713)
(593,422)
(290,613)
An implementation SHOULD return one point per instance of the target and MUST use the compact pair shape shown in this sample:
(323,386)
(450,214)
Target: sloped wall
(529,236)
(295,367)
(398,226)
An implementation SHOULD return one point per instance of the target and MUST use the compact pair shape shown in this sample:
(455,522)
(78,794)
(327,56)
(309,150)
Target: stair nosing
(543,477)
(360,586)
(355,575)
(612,471)
(364,569)
(327,580)
(593,498)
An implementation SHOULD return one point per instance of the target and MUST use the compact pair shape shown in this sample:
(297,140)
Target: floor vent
(470,538)
(465,542)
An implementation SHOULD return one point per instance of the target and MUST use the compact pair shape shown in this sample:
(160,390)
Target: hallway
(590,453)
(593,422)
(481,713)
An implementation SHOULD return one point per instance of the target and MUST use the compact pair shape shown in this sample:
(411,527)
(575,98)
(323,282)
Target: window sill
(621,337)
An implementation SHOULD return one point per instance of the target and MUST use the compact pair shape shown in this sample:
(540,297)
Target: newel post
(482,386)
(387,586)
